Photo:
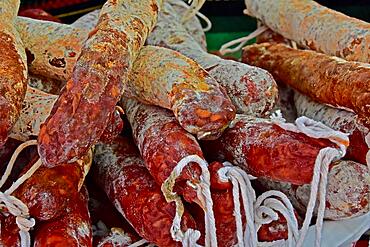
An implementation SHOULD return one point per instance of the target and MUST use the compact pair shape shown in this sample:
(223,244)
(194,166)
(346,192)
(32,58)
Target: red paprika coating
(72,229)
(84,106)
(264,149)
(120,170)
(163,143)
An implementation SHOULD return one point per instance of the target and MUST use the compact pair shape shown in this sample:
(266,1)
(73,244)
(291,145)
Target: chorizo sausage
(82,110)
(176,82)
(252,90)
(73,228)
(264,149)
(13,69)
(47,192)
(340,36)
(325,79)
(347,191)
(337,119)
(120,170)
(163,143)
(52,48)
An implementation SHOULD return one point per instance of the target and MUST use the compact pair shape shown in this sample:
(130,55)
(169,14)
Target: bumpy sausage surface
(163,143)
(121,172)
(264,149)
(13,69)
(314,26)
(252,90)
(86,103)
(176,82)
(325,79)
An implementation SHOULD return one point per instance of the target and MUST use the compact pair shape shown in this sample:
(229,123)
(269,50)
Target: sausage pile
(122,130)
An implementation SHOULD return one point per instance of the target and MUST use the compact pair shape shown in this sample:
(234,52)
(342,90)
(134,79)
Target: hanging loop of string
(195,6)
(15,206)
(190,237)
(240,42)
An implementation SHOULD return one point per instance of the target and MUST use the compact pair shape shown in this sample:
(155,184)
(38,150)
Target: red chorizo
(73,228)
(337,119)
(82,110)
(107,227)
(47,192)
(13,69)
(9,233)
(176,82)
(325,79)
(264,149)
(120,170)
(347,191)
(163,143)
(252,90)
(314,26)
(37,107)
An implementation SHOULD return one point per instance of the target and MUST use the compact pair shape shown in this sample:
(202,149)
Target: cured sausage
(109,229)
(176,82)
(87,21)
(337,119)
(325,79)
(163,143)
(73,228)
(37,107)
(347,191)
(52,48)
(9,235)
(121,172)
(252,90)
(86,103)
(340,36)
(13,69)
(48,191)
(266,150)
(193,25)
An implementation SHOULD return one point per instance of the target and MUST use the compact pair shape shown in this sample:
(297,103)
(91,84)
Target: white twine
(240,42)
(190,237)
(194,8)
(327,155)
(263,210)
(198,13)
(15,206)
(241,180)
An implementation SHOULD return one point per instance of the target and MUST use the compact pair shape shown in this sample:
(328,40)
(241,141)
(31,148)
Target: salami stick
(71,229)
(163,143)
(175,82)
(9,235)
(37,107)
(252,90)
(193,25)
(87,21)
(122,173)
(337,119)
(109,229)
(340,35)
(86,103)
(47,192)
(13,69)
(52,48)
(325,79)
(347,191)
(264,149)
